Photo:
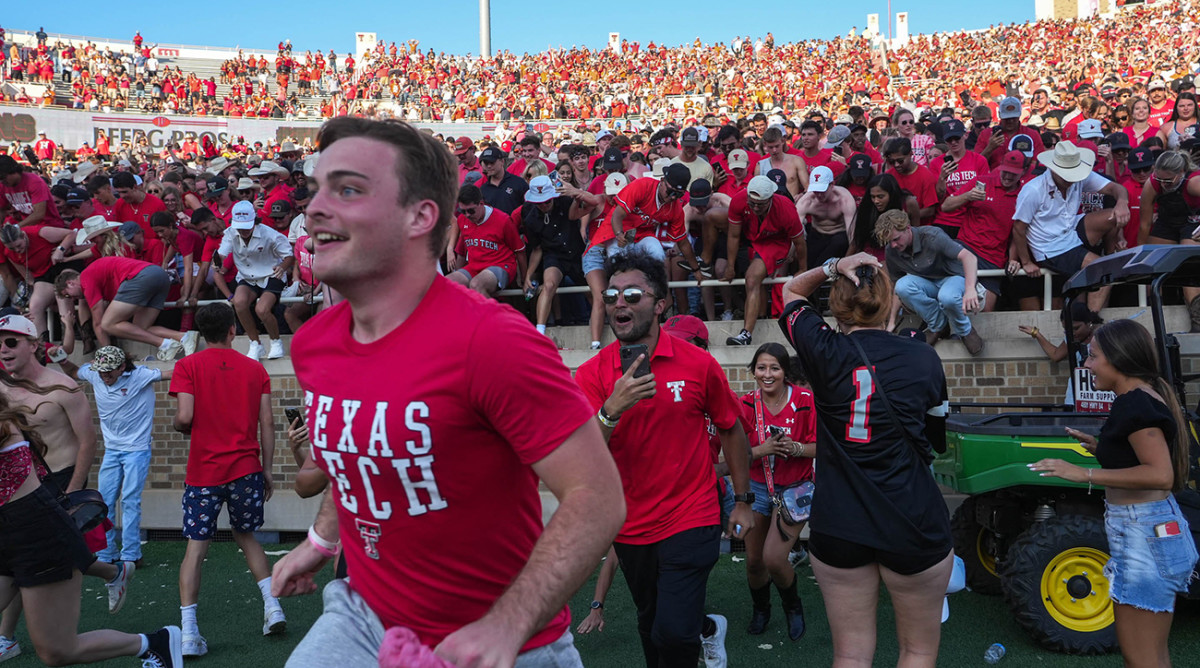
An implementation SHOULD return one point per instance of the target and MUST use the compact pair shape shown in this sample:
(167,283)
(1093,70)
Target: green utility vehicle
(1041,541)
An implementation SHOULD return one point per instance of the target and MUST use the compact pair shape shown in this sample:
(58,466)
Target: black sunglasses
(896,162)
(1141,170)
(631,295)
(13,342)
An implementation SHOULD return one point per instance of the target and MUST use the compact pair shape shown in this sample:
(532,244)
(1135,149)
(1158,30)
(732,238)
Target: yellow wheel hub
(1075,590)
(983,553)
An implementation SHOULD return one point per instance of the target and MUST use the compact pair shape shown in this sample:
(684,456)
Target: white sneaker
(195,646)
(8,649)
(167,354)
(190,339)
(276,350)
(255,351)
(595,345)
(727,316)
(798,557)
(274,622)
(714,645)
(118,587)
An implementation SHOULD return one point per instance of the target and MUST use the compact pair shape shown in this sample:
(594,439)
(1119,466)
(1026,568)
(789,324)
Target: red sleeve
(211,244)
(181,379)
(737,207)
(587,377)
(90,283)
(511,237)
(460,248)
(549,407)
(677,228)
(928,195)
(805,430)
(722,405)
(629,196)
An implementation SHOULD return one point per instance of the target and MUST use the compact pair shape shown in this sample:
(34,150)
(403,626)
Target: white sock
(145,644)
(595,344)
(264,586)
(190,627)
(541,329)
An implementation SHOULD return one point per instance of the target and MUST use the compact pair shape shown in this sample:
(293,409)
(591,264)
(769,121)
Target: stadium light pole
(485,28)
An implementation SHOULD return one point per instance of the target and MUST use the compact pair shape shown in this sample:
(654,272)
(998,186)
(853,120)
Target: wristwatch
(748,497)
(597,605)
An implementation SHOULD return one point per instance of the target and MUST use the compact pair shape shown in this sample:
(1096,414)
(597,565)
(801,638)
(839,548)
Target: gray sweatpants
(353,628)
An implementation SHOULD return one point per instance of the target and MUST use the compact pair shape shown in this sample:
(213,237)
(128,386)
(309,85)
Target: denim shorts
(593,259)
(762,501)
(202,505)
(1147,571)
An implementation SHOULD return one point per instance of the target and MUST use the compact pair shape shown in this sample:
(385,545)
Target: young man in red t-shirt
(488,239)
(916,179)
(223,404)
(770,223)
(672,533)
(125,296)
(957,172)
(136,204)
(413,462)
(24,197)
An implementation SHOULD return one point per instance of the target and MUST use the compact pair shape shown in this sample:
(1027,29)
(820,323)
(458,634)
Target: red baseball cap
(462,145)
(686,327)
(1013,162)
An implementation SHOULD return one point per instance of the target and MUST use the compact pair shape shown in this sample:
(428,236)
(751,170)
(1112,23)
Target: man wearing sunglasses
(916,179)
(671,537)
(770,223)
(642,207)
(488,251)
(1140,165)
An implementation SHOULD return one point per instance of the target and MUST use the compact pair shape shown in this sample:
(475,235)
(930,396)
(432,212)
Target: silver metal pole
(485,28)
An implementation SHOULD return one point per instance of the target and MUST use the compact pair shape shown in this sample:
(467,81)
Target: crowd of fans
(651,80)
(540,211)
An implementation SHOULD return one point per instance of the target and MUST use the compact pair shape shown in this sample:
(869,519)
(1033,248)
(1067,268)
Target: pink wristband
(324,547)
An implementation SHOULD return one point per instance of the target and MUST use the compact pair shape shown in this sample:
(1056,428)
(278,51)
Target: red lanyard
(768,462)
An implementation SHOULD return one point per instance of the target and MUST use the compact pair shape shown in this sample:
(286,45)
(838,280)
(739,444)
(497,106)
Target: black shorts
(840,553)
(60,480)
(1066,264)
(1175,230)
(994,284)
(54,271)
(823,246)
(571,268)
(274,286)
(950,230)
(39,542)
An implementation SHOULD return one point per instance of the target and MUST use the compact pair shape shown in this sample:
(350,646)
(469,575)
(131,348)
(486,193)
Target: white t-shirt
(1051,217)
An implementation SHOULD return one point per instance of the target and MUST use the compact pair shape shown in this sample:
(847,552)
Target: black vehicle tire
(1054,583)
(973,544)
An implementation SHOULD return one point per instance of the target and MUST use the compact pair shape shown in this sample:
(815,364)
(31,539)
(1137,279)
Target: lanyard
(768,462)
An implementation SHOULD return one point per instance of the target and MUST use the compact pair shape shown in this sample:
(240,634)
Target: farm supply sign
(1088,399)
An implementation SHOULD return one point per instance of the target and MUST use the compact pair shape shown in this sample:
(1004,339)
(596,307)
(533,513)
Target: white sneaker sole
(278,628)
(11,653)
(199,648)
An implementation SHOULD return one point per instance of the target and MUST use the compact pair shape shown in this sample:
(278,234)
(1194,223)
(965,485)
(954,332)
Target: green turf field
(230,616)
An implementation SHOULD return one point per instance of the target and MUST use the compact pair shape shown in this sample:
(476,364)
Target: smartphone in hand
(629,355)
(293,414)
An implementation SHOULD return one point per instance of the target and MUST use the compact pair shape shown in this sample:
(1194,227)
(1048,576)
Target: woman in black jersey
(1143,456)
(877,512)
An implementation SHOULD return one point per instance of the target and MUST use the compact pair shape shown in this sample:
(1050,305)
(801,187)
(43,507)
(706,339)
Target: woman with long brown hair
(1143,454)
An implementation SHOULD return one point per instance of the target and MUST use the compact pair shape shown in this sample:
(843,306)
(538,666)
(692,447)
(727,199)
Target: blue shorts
(202,505)
(593,259)
(762,501)
(1146,571)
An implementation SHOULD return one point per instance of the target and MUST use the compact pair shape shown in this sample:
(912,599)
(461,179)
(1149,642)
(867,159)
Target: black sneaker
(166,649)
(742,339)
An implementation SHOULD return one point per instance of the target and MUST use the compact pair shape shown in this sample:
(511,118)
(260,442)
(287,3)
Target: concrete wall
(1012,370)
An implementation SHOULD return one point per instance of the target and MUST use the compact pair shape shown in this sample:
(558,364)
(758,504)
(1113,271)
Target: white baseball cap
(614,183)
(738,158)
(820,179)
(761,188)
(243,216)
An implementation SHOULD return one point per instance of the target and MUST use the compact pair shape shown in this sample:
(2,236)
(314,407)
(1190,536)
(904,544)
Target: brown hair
(60,281)
(425,167)
(867,304)
(1130,350)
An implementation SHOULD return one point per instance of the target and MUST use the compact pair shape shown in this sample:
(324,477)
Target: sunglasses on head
(631,295)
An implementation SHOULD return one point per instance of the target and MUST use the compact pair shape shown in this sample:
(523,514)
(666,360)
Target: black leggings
(840,553)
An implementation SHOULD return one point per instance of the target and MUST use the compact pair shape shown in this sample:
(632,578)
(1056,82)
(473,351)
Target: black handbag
(85,506)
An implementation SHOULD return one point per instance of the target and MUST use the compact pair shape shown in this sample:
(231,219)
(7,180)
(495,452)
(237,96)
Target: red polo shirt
(661,444)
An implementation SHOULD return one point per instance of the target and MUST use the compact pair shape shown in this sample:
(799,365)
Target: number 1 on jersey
(859,430)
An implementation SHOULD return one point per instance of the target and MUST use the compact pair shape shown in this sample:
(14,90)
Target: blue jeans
(1147,571)
(936,301)
(124,472)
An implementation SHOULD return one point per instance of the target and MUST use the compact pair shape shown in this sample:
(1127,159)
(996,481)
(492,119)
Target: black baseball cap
(953,128)
(859,165)
(1118,141)
(689,137)
(280,208)
(780,179)
(491,154)
(677,176)
(614,160)
(700,191)
(1140,158)
(217,183)
(77,196)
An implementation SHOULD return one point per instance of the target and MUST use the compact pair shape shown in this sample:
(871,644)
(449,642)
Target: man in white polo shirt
(263,258)
(1048,230)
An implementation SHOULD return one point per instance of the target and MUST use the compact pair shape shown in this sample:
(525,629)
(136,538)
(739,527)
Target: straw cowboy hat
(1069,161)
(83,171)
(92,227)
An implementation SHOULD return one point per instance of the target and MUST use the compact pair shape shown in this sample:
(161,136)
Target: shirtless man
(828,211)
(60,414)
(778,158)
